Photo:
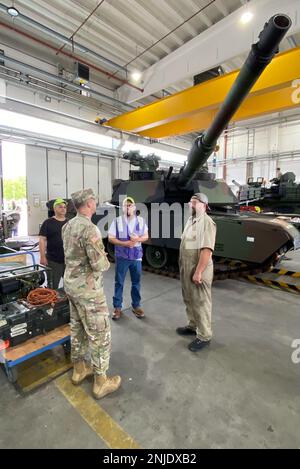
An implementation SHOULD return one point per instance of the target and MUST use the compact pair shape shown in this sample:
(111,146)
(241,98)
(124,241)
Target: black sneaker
(198,344)
(186,330)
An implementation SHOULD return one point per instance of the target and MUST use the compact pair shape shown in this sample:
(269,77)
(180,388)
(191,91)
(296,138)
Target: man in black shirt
(51,244)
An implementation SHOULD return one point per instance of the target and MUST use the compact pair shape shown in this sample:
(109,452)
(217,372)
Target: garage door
(54,173)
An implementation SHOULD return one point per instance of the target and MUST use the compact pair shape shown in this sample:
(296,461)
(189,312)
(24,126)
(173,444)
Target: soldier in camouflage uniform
(90,328)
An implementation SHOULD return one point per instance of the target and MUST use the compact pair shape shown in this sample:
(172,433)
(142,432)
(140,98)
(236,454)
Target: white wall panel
(39,99)
(267,141)
(56,174)
(91,173)
(265,169)
(262,142)
(237,172)
(289,138)
(20,93)
(125,165)
(292,165)
(74,173)
(36,171)
(238,146)
(2,91)
(105,179)
(218,172)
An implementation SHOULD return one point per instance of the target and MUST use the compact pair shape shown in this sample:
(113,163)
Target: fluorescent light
(246,17)
(53,129)
(136,76)
(12,11)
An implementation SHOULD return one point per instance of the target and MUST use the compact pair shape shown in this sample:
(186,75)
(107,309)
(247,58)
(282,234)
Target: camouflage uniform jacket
(85,258)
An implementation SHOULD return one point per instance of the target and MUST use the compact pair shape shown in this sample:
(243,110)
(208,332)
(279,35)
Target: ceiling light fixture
(246,17)
(136,76)
(12,11)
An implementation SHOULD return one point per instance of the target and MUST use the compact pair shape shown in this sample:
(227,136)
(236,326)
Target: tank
(162,196)
(283,196)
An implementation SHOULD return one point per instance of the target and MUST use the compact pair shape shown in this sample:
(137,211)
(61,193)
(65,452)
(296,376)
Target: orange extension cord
(42,296)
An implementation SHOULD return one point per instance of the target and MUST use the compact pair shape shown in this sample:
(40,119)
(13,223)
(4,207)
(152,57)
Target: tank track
(223,268)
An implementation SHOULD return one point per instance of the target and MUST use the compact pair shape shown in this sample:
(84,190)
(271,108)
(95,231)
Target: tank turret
(145,163)
(148,166)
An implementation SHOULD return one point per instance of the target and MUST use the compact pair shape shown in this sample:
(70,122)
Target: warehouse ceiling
(115,37)
(133,34)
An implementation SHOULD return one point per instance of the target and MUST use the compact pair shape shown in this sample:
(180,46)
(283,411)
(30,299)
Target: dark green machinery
(163,199)
(283,196)
(148,164)
(16,281)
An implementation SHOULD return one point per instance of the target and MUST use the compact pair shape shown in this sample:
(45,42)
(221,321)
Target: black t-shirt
(51,229)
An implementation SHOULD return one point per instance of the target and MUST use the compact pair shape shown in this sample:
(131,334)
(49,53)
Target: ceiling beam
(102,34)
(133,29)
(221,7)
(193,109)
(254,106)
(212,47)
(202,16)
(177,18)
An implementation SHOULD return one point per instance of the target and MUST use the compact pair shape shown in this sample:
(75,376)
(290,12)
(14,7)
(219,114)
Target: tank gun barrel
(259,57)
(237,184)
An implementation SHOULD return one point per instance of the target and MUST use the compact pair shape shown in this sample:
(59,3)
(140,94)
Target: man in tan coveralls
(196,272)
(85,260)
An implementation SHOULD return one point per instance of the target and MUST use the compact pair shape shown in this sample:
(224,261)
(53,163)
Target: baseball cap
(201,197)
(58,202)
(128,199)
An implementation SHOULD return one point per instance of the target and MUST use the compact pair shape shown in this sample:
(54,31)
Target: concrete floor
(242,392)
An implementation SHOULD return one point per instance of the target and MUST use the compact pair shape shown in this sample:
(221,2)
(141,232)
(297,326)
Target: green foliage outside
(14,189)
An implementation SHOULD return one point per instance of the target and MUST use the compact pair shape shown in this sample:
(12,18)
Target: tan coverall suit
(199,233)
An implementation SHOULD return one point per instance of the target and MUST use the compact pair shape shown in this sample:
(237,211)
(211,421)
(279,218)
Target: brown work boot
(81,371)
(117,314)
(138,312)
(104,385)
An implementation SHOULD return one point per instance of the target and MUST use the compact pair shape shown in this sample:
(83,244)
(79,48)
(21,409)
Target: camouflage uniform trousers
(197,298)
(90,331)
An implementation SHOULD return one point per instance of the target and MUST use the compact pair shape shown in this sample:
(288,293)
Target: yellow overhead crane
(193,109)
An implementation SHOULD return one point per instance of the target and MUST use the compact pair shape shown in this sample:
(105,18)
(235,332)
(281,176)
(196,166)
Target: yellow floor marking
(39,370)
(105,427)
(43,379)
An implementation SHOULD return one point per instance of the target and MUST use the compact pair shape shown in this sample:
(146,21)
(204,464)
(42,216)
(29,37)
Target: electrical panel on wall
(82,73)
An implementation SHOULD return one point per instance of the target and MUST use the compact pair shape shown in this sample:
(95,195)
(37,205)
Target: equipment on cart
(21,320)
(17,282)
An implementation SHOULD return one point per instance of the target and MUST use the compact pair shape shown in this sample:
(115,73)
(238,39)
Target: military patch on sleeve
(96,236)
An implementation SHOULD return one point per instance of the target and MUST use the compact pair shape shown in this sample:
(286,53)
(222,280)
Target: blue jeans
(135,268)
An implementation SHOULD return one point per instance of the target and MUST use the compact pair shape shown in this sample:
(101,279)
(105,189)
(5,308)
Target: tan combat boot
(81,371)
(104,385)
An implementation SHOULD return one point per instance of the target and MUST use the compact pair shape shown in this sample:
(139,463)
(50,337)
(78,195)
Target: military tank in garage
(162,197)
(282,196)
